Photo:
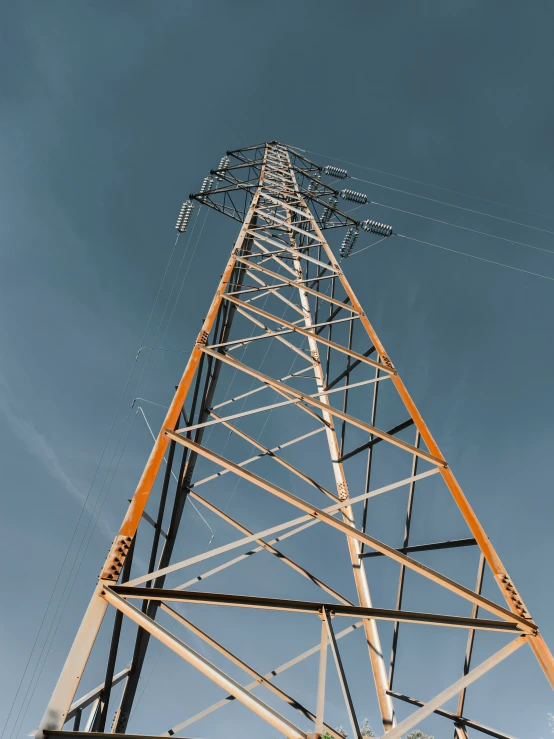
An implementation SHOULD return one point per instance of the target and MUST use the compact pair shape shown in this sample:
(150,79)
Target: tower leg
(64,692)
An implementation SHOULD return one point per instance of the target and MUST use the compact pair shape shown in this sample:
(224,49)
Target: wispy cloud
(38,445)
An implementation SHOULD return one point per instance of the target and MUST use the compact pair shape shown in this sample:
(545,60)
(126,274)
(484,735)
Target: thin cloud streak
(38,445)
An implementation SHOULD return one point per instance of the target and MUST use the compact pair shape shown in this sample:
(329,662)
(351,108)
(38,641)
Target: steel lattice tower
(332,404)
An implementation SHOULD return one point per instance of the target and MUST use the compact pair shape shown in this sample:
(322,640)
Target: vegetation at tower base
(366,731)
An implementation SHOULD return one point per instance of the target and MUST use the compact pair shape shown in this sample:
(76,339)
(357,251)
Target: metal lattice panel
(336,403)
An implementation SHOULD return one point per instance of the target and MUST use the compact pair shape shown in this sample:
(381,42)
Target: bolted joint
(202,338)
(343,490)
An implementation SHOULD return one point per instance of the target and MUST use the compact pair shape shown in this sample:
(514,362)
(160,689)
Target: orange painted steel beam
(284,389)
(537,643)
(281,214)
(204,666)
(148,477)
(76,661)
(305,332)
(244,666)
(316,512)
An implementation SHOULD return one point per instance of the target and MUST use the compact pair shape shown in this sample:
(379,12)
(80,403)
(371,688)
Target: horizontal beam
(271,453)
(350,531)
(371,443)
(452,544)
(276,552)
(336,312)
(326,408)
(251,686)
(91,696)
(269,333)
(309,333)
(282,403)
(415,718)
(244,666)
(203,665)
(275,529)
(303,606)
(300,374)
(256,550)
(276,286)
(58,734)
(294,283)
(301,254)
(246,555)
(351,367)
(287,225)
(265,453)
(469,723)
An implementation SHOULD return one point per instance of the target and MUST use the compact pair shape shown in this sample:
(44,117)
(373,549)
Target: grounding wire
(420,182)
(451,205)
(463,228)
(83,508)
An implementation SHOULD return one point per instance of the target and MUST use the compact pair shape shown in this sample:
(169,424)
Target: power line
(451,205)
(358,251)
(420,182)
(102,498)
(83,508)
(473,256)
(463,228)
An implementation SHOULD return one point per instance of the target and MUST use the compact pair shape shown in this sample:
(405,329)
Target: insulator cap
(314,183)
(348,242)
(340,174)
(377,228)
(184,216)
(207,184)
(328,212)
(223,164)
(355,197)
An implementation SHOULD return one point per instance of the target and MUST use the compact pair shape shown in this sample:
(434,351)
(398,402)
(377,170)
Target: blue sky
(112,114)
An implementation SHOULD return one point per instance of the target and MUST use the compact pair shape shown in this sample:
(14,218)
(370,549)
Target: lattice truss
(290,399)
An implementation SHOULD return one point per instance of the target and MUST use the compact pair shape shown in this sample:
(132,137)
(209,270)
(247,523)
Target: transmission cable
(128,427)
(83,508)
(473,256)
(80,557)
(358,251)
(126,421)
(178,296)
(463,228)
(451,205)
(420,182)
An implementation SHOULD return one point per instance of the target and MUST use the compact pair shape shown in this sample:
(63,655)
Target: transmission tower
(340,421)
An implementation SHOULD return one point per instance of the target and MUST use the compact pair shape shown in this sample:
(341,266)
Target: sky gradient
(112,114)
